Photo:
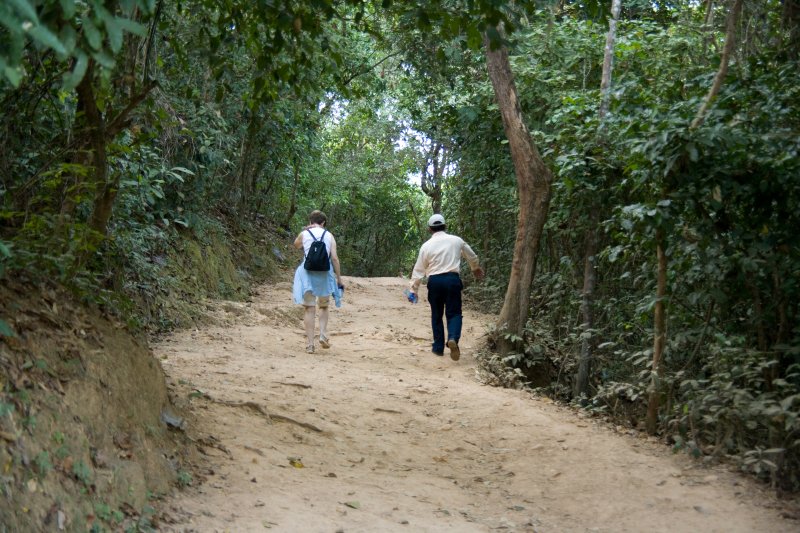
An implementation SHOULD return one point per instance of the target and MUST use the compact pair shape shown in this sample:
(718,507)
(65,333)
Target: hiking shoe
(310,348)
(440,354)
(324,342)
(455,353)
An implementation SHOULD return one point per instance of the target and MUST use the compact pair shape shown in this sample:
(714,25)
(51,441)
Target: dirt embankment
(378,434)
(84,438)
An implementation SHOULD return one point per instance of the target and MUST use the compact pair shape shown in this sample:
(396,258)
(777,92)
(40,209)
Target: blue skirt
(318,283)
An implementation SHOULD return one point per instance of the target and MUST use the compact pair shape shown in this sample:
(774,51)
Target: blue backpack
(317,259)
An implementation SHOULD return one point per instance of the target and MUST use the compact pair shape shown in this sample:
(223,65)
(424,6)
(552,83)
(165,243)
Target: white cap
(436,220)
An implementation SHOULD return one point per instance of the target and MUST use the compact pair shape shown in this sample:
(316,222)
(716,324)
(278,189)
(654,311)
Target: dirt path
(378,434)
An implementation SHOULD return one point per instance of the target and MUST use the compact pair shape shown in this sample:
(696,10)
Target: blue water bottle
(411,296)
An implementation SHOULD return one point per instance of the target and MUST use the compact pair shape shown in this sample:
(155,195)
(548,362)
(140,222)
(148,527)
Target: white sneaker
(310,348)
(324,342)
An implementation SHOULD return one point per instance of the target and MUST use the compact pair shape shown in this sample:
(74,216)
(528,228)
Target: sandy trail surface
(378,434)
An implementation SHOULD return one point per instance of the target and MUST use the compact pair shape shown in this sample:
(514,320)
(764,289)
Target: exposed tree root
(262,411)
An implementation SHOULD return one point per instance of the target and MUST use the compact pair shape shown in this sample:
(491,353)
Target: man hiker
(318,277)
(440,260)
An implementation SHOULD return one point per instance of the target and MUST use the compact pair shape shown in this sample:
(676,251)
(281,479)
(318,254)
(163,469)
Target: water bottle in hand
(411,296)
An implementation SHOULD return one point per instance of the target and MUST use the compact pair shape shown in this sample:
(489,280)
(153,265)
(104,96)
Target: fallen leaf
(353,505)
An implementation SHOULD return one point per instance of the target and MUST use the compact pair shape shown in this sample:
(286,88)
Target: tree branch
(371,67)
(120,121)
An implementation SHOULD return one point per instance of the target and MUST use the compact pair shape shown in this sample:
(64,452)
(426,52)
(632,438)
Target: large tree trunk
(533,187)
(592,237)
(95,131)
(101,133)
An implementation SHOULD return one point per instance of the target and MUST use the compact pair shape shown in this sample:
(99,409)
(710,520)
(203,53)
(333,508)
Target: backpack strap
(324,231)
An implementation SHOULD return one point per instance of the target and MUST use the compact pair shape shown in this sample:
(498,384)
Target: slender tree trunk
(659,318)
(246,162)
(660,334)
(592,237)
(730,41)
(431,183)
(587,300)
(660,310)
(488,233)
(293,204)
(150,48)
(708,20)
(417,222)
(608,59)
(758,311)
(790,21)
(533,187)
(709,16)
(780,301)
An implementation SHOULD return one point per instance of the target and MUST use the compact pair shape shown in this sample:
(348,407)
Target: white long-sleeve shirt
(440,254)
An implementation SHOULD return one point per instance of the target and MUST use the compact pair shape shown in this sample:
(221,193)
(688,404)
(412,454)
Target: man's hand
(478,273)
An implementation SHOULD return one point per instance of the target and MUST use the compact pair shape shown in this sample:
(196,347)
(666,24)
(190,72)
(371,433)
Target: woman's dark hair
(318,217)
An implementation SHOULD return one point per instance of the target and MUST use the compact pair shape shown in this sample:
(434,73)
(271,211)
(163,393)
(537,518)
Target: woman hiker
(316,279)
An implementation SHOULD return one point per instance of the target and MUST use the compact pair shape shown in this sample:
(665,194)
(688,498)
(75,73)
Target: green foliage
(740,408)
(185,478)
(82,472)
(75,32)
(43,463)
(5,329)
(6,409)
(104,512)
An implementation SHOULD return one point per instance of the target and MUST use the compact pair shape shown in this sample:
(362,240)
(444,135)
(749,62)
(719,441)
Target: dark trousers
(444,295)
